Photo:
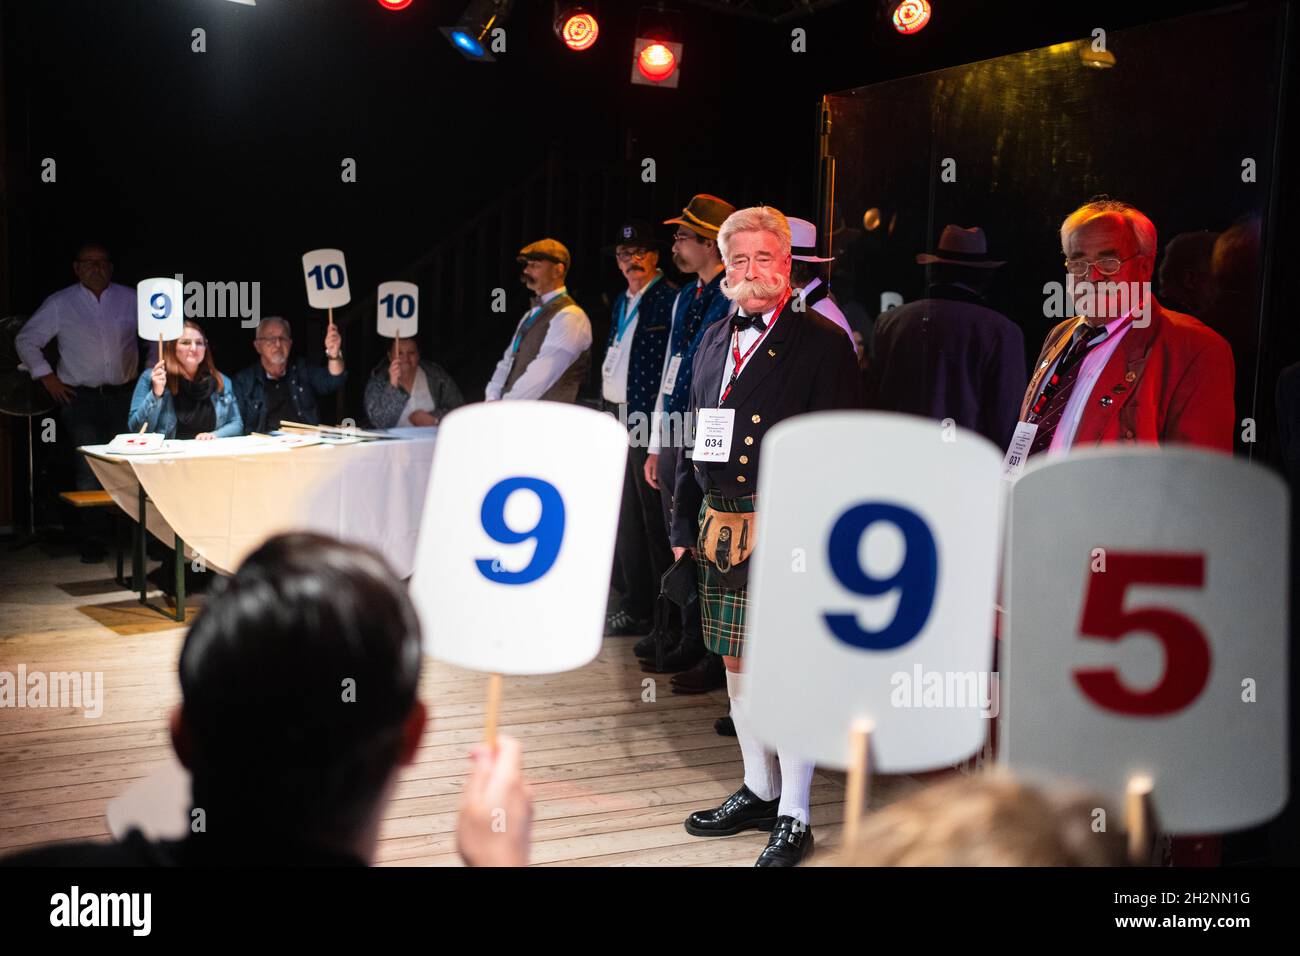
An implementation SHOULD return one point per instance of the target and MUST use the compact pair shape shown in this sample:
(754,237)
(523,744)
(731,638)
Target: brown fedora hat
(704,214)
(961,247)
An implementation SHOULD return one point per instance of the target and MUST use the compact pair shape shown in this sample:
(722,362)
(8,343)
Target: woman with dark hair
(184,396)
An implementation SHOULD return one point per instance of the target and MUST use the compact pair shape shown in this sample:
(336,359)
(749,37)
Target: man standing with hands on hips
(770,362)
(94,323)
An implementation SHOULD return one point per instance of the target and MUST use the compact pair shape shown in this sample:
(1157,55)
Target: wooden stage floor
(613,776)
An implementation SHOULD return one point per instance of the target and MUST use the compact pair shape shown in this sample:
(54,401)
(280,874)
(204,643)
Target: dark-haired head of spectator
(1235,259)
(299,704)
(1186,282)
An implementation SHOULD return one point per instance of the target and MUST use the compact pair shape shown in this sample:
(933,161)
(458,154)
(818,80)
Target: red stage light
(394,4)
(579,31)
(656,62)
(911,15)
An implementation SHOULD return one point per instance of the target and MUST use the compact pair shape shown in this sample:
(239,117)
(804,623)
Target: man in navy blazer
(699,305)
(769,362)
(634,354)
(950,356)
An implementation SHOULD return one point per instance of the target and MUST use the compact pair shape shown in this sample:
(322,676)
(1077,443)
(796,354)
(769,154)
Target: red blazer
(1170,382)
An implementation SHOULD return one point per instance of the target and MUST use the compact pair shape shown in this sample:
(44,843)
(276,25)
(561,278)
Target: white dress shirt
(1099,353)
(828,308)
(567,338)
(421,399)
(614,385)
(97,336)
(747,338)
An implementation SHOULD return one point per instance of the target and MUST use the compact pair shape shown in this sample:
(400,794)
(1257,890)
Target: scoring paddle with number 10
(330,277)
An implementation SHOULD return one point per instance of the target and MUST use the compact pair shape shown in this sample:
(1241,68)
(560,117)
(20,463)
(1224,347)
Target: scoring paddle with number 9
(548,532)
(915,580)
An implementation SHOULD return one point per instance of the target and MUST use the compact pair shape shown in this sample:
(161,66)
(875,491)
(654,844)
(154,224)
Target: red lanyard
(738,360)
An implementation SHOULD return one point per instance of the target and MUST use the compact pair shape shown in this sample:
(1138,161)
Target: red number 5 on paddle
(1187,652)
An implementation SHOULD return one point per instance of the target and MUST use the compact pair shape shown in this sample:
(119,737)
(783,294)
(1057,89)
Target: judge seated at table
(184,396)
(409,390)
(274,389)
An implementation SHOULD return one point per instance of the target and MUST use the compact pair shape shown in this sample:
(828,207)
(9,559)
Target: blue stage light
(467,43)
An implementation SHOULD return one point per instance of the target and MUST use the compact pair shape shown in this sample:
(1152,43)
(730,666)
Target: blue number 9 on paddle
(914,580)
(548,532)
(161,304)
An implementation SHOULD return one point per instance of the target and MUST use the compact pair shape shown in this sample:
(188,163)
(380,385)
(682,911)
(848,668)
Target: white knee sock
(762,775)
(796,781)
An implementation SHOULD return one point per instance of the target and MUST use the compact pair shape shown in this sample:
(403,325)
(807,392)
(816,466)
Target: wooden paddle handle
(493,708)
(1137,819)
(858,786)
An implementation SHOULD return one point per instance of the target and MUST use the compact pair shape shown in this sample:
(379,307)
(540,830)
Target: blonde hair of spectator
(990,819)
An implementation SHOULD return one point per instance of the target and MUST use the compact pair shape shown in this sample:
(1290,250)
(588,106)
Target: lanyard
(738,360)
(624,322)
(532,317)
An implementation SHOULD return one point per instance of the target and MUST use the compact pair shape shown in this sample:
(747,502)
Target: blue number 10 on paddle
(548,533)
(915,579)
(403,306)
(332,277)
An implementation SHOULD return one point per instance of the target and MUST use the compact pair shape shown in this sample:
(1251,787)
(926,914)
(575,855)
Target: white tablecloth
(227,496)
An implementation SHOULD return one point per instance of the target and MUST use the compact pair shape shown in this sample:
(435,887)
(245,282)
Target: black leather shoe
(791,842)
(740,811)
(648,646)
(709,674)
(684,656)
(724,727)
(622,624)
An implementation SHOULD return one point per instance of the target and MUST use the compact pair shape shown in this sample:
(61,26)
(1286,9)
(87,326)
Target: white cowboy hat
(803,241)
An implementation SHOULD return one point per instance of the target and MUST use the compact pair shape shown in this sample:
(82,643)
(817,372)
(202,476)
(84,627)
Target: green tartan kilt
(722,609)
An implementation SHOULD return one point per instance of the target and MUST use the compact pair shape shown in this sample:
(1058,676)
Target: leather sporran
(726,541)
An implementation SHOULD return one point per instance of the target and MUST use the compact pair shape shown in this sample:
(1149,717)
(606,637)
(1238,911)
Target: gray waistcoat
(566,386)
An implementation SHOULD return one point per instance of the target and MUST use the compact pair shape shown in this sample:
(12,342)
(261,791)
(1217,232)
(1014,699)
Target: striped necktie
(1050,406)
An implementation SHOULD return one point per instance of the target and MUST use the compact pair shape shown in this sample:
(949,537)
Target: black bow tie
(740,322)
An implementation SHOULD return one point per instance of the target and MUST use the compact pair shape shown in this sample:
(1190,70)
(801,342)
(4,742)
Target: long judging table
(225,497)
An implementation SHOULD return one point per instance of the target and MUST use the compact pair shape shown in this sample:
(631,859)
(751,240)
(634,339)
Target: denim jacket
(160,412)
(306,384)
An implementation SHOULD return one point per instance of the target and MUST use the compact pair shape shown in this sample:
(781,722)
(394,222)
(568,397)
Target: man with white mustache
(771,361)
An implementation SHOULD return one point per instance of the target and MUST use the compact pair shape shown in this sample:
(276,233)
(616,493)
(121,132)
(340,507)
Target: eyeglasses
(634,254)
(683,236)
(1107,266)
(762,260)
(194,343)
(275,339)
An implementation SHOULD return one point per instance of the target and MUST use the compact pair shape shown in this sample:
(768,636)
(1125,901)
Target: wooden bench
(87,499)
